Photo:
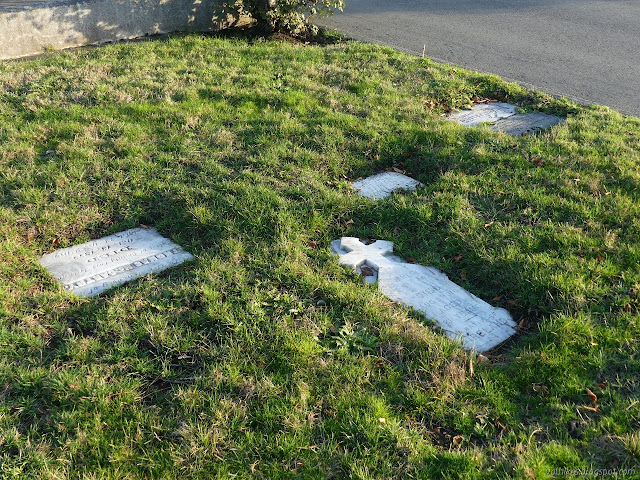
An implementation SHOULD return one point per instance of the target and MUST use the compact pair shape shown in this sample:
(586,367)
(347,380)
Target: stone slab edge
(525,123)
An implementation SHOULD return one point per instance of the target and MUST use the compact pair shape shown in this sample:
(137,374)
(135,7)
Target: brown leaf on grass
(512,303)
(590,409)
(312,243)
(411,260)
(349,223)
(482,359)
(541,389)
(56,241)
(463,275)
(457,440)
(457,258)
(381,362)
(497,299)
(397,170)
(488,224)
(592,396)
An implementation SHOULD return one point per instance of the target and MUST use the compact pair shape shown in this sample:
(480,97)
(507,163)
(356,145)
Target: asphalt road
(585,50)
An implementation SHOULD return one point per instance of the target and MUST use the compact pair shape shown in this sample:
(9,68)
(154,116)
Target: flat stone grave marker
(483,113)
(384,184)
(93,267)
(527,123)
(459,313)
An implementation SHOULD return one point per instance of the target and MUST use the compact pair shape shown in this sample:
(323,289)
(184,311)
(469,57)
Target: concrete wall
(30,28)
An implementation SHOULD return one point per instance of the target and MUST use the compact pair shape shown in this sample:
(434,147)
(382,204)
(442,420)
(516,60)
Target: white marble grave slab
(526,123)
(483,113)
(384,184)
(93,267)
(459,313)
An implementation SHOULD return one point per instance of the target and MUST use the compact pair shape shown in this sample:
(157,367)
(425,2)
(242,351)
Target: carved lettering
(100,264)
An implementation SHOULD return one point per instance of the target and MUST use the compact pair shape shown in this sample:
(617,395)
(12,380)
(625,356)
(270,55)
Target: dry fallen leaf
(56,241)
(463,275)
(349,224)
(457,258)
(482,359)
(497,299)
(488,224)
(312,244)
(592,396)
(382,420)
(590,409)
(457,440)
(541,389)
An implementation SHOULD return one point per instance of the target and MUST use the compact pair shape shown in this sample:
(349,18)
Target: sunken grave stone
(93,267)
(483,113)
(384,184)
(459,313)
(528,123)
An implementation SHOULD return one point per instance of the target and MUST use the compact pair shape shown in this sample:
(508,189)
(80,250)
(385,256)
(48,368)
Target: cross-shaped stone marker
(459,313)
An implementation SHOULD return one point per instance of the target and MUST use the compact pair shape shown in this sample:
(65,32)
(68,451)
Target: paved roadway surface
(585,50)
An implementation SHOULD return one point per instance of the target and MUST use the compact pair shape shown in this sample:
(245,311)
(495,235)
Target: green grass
(263,358)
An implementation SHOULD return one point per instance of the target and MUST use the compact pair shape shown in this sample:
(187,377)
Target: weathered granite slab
(526,123)
(93,267)
(483,113)
(459,313)
(384,184)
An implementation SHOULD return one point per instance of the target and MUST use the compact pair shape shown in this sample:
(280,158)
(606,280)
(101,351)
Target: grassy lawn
(263,358)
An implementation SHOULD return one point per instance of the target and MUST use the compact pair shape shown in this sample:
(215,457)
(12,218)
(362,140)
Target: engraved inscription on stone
(459,313)
(384,184)
(483,113)
(527,123)
(93,267)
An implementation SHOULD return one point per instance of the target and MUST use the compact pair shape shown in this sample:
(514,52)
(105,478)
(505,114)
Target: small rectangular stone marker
(384,184)
(93,267)
(459,313)
(483,113)
(527,123)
